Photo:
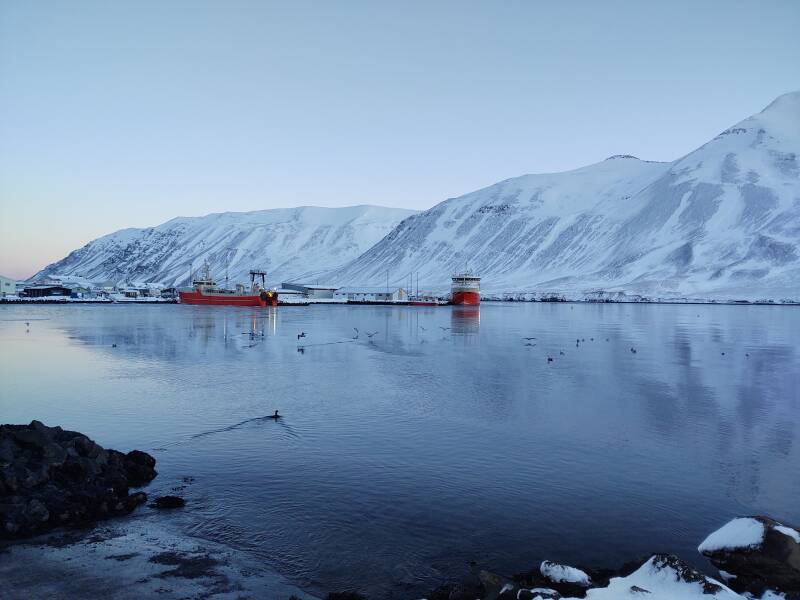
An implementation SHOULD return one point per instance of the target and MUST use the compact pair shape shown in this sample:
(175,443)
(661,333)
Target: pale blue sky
(117,114)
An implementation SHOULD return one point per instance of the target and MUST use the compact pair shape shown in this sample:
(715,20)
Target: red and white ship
(466,289)
(205,291)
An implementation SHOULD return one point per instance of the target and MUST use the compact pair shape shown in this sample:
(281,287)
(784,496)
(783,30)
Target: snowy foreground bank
(757,558)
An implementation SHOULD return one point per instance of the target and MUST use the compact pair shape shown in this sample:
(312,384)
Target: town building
(312,291)
(8,287)
(46,290)
(371,294)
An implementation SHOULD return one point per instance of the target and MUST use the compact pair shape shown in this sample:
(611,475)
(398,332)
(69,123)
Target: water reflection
(465,320)
(442,436)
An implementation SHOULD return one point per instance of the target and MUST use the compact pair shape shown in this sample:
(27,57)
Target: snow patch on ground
(655,580)
(564,574)
(792,533)
(743,532)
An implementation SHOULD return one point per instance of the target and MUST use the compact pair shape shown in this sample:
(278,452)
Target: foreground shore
(132,558)
(60,492)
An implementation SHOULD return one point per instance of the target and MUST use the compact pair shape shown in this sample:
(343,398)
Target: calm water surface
(442,440)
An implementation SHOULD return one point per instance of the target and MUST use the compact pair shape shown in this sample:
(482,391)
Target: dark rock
(469,588)
(140,467)
(497,587)
(772,564)
(51,477)
(684,572)
(345,596)
(538,593)
(170,502)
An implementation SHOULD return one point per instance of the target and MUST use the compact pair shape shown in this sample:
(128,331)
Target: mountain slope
(723,220)
(287,243)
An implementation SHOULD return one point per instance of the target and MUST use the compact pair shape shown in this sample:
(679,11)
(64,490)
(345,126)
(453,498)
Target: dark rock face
(50,477)
(170,502)
(773,564)
(684,572)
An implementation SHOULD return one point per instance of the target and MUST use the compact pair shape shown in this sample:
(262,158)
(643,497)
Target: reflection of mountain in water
(174,334)
(728,421)
(444,419)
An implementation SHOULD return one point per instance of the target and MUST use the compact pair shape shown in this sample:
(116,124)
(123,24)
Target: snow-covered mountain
(723,221)
(288,243)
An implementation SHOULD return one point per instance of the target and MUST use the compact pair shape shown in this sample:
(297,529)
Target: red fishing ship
(466,289)
(205,291)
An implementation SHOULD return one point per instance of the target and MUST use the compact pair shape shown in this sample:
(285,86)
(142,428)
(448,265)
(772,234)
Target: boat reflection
(465,320)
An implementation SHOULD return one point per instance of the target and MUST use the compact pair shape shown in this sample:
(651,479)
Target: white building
(8,287)
(311,291)
(371,294)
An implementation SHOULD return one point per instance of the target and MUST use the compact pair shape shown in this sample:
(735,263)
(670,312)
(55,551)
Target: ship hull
(199,298)
(466,298)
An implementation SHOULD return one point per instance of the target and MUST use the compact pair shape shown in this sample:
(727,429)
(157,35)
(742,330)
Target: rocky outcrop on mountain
(51,477)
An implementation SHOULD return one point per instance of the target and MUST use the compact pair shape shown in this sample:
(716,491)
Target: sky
(126,114)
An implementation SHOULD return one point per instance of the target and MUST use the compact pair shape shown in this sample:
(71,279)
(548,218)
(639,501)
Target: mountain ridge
(287,242)
(722,219)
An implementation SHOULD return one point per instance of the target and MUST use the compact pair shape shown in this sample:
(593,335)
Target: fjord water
(440,440)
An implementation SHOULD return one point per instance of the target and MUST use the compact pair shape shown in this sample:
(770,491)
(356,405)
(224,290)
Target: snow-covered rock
(664,577)
(757,553)
(743,532)
(721,222)
(288,243)
(564,574)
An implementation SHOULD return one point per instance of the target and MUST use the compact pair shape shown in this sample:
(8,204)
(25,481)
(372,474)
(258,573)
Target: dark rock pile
(772,564)
(50,477)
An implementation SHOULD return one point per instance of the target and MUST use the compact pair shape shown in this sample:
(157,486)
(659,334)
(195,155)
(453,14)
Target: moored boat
(205,291)
(465,289)
(423,300)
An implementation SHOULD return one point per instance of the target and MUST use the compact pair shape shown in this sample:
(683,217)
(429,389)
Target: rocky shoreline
(51,478)
(757,558)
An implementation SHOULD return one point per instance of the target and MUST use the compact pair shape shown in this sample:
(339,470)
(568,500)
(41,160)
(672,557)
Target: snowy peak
(722,220)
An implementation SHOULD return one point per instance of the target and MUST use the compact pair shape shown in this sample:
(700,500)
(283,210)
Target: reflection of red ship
(466,289)
(205,291)
(465,319)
